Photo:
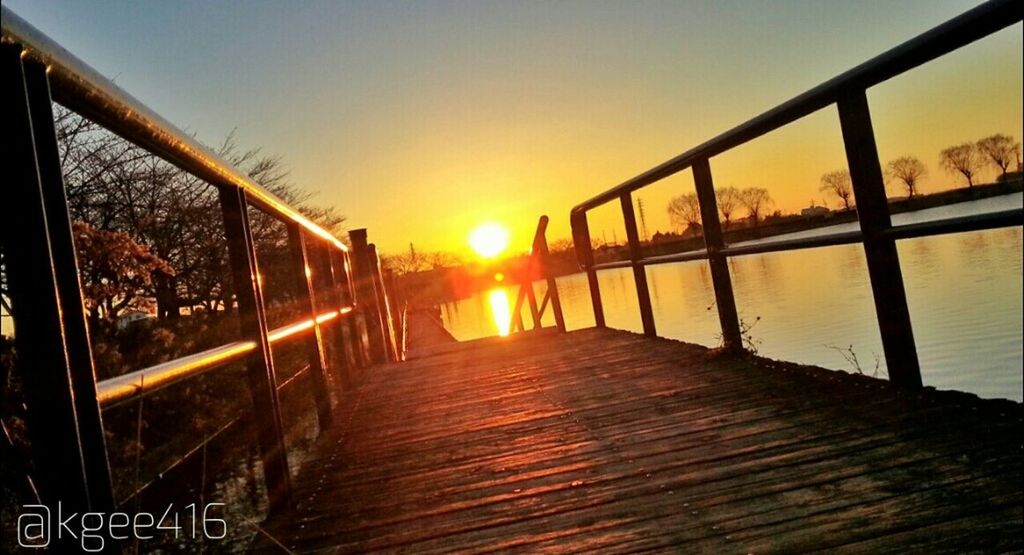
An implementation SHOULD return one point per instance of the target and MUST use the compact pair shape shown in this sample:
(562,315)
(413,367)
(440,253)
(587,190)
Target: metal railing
(848,93)
(64,400)
(537,267)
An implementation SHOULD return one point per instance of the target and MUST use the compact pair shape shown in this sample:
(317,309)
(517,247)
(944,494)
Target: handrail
(114,391)
(536,266)
(962,30)
(81,88)
(64,401)
(848,92)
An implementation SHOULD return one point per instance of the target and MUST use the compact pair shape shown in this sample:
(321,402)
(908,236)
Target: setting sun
(489,240)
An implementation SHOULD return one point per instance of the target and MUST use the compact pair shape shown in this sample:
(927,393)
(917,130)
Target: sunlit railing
(65,402)
(848,93)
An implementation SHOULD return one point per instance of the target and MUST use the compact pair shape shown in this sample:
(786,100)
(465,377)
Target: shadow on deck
(605,440)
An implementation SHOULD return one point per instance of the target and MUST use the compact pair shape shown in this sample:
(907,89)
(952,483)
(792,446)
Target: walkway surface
(605,440)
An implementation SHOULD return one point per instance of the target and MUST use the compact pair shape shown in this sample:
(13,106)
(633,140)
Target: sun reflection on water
(500,310)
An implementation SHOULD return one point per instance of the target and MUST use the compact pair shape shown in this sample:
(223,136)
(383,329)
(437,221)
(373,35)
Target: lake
(814,306)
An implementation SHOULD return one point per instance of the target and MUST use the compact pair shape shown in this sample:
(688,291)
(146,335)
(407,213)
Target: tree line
(964,160)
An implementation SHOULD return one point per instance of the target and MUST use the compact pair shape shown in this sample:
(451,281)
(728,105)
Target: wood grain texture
(602,440)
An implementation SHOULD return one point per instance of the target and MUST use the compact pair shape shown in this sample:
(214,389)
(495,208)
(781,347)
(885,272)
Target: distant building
(812,211)
(130,317)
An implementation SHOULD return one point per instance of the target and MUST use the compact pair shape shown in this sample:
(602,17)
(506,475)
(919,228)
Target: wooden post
(643,294)
(541,247)
(260,363)
(880,252)
(42,341)
(304,269)
(367,296)
(383,304)
(585,255)
(732,339)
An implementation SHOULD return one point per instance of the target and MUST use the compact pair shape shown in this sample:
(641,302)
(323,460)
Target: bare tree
(755,200)
(838,183)
(908,170)
(728,199)
(1001,151)
(684,212)
(963,159)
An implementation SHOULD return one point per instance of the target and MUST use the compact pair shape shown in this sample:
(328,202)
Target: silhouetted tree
(838,183)
(963,159)
(728,198)
(755,200)
(909,171)
(684,211)
(1001,151)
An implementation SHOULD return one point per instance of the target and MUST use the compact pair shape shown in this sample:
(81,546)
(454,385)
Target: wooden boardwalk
(601,440)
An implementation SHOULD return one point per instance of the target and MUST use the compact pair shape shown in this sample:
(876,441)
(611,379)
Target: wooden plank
(605,440)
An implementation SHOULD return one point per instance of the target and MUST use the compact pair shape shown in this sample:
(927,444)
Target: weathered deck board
(604,440)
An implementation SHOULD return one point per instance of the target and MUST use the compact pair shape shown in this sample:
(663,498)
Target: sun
(489,240)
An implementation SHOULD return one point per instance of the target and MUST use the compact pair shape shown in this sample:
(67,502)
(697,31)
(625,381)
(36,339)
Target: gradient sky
(419,120)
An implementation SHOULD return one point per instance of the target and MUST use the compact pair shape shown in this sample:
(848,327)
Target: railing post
(260,363)
(355,338)
(732,339)
(367,296)
(383,304)
(42,342)
(541,246)
(880,252)
(585,256)
(643,294)
(343,363)
(304,273)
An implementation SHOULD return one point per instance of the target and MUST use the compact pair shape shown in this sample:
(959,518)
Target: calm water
(964,292)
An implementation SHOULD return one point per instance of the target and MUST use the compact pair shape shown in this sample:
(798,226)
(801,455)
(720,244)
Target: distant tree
(728,199)
(909,171)
(561,245)
(684,212)
(755,200)
(838,183)
(1000,150)
(963,159)
(117,273)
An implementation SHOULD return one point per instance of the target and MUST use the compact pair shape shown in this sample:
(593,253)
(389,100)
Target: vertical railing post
(354,338)
(880,252)
(541,246)
(76,329)
(260,374)
(585,256)
(732,339)
(643,294)
(367,296)
(383,304)
(304,274)
(396,303)
(345,359)
(58,454)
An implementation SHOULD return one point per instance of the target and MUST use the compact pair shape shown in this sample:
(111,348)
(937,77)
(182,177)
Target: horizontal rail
(142,382)
(81,88)
(959,224)
(943,39)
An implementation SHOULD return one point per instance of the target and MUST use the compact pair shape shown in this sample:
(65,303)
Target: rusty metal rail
(847,92)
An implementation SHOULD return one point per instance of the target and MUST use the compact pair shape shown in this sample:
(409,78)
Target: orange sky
(420,120)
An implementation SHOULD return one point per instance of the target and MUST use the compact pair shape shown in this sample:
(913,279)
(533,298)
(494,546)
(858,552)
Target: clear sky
(420,120)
